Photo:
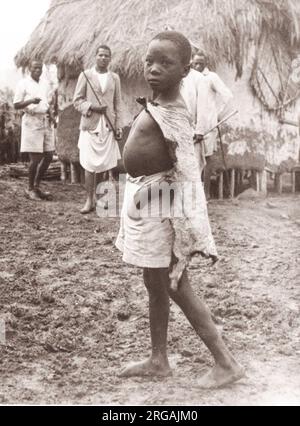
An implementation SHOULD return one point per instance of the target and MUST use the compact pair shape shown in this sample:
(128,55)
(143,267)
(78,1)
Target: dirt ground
(75,314)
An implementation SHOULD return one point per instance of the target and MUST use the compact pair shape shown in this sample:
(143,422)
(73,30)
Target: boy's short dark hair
(181,42)
(103,46)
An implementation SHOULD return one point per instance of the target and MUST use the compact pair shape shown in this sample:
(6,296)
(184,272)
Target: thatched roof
(226,29)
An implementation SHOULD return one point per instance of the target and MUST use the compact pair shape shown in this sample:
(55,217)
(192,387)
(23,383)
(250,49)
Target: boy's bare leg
(90,188)
(226,369)
(159,306)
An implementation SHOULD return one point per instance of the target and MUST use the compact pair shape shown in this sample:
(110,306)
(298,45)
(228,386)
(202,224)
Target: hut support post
(257,181)
(253,181)
(293,181)
(239,181)
(221,183)
(232,183)
(63,171)
(74,173)
(296,179)
(263,181)
(278,183)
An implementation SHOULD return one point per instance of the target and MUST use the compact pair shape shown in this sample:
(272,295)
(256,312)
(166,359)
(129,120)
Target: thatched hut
(251,44)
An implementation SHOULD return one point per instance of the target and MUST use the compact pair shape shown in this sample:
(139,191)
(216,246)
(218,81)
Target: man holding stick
(217,104)
(98,98)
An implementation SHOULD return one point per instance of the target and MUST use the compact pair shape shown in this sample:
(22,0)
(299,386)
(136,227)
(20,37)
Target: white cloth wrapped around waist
(99,150)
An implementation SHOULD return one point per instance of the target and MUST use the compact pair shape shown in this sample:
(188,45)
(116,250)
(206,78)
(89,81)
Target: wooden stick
(221,182)
(97,97)
(232,183)
(224,161)
(221,122)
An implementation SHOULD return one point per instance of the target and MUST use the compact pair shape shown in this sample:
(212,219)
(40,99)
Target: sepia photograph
(150,205)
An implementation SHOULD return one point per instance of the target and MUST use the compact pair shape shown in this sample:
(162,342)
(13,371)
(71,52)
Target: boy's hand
(99,109)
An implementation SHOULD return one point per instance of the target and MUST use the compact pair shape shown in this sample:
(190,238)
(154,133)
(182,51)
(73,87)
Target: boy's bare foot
(219,376)
(146,368)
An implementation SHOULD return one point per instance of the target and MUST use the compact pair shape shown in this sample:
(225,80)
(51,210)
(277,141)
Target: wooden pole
(232,183)
(257,181)
(293,182)
(263,181)
(278,183)
(221,183)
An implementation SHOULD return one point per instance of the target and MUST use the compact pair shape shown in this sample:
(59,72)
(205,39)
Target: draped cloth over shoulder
(192,231)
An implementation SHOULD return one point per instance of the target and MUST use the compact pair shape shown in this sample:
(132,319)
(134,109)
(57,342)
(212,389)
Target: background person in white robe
(37,138)
(194,90)
(98,148)
(218,103)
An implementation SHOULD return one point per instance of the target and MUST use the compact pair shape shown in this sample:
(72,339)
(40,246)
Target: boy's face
(163,67)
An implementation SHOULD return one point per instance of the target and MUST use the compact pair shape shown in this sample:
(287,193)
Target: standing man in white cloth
(37,137)
(194,90)
(219,100)
(98,148)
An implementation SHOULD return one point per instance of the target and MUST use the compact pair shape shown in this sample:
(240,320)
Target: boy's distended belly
(146,151)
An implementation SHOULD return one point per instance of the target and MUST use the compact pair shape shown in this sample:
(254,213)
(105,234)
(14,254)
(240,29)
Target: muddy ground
(75,314)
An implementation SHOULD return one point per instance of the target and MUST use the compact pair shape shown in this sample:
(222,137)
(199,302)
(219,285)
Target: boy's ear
(186,70)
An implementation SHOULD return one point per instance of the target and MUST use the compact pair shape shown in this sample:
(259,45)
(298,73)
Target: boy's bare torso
(145,151)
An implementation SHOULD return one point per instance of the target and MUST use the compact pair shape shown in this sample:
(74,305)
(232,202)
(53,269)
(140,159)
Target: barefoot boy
(160,149)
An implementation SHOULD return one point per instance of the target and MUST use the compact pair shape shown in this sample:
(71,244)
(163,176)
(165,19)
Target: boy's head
(167,60)
(103,57)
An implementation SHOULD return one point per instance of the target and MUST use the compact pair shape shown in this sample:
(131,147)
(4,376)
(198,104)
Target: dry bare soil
(74,313)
